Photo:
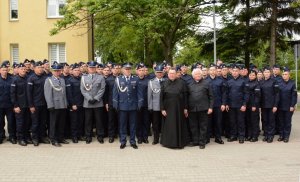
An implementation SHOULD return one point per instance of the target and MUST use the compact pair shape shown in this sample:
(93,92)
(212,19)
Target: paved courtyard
(95,162)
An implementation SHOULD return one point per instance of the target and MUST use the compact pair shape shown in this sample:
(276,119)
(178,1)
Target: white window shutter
(62,53)
(15,53)
(14,4)
(53,52)
(52,8)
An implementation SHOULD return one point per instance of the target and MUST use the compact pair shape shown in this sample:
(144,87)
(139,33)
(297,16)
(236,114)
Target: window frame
(12,57)
(57,52)
(57,15)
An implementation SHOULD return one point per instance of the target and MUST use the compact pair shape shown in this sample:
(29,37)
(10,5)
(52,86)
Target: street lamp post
(215,40)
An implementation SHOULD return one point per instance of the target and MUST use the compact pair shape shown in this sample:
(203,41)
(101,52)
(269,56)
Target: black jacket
(200,96)
(18,92)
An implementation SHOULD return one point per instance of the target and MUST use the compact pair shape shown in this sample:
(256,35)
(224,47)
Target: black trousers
(156,124)
(112,122)
(77,122)
(237,123)
(215,123)
(11,122)
(94,114)
(22,124)
(198,126)
(269,120)
(57,124)
(142,123)
(285,124)
(225,124)
(39,120)
(252,123)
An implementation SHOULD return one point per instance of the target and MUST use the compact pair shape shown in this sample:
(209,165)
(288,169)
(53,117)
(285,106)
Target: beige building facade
(24,33)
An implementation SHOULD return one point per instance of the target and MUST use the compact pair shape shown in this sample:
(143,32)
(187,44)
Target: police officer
(112,113)
(37,104)
(18,96)
(287,103)
(143,122)
(253,105)
(277,76)
(154,102)
(269,104)
(27,63)
(55,95)
(92,87)
(225,116)
(75,100)
(186,77)
(219,91)
(6,106)
(46,66)
(127,99)
(237,97)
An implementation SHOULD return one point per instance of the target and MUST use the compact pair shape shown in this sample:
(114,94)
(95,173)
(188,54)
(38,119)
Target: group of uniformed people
(83,100)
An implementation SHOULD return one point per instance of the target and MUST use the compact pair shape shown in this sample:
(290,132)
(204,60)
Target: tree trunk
(273,32)
(168,50)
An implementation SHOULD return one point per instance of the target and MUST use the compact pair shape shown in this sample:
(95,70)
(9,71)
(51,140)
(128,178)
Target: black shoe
(219,141)
(202,146)
(231,139)
(81,138)
(280,139)
(247,138)
(241,141)
(265,139)
(286,140)
(254,139)
(56,144)
(22,143)
(134,146)
(155,142)
(122,146)
(88,140)
(100,140)
(207,141)
(35,143)
(146,140)
(140,141)
(270,140)
(75,140)
(111,140)
(29,141)
(13,141)
(64,141)
(45,141)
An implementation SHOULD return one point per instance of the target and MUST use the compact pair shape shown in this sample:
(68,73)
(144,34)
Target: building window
(55,7)
(13,10)
(14,52)
(57,52)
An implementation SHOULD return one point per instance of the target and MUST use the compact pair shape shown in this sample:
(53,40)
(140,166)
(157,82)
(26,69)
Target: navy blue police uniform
(127,99)
(36,100)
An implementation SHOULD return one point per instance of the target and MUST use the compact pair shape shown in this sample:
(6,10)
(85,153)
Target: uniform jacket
(153,94)
(18,92)
(55,93)
(5,85)
(35,90)
(127,94)
(269,93)
(92,88)
(74,95)
(288,95)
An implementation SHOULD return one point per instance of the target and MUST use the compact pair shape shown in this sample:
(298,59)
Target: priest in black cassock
(173,104)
